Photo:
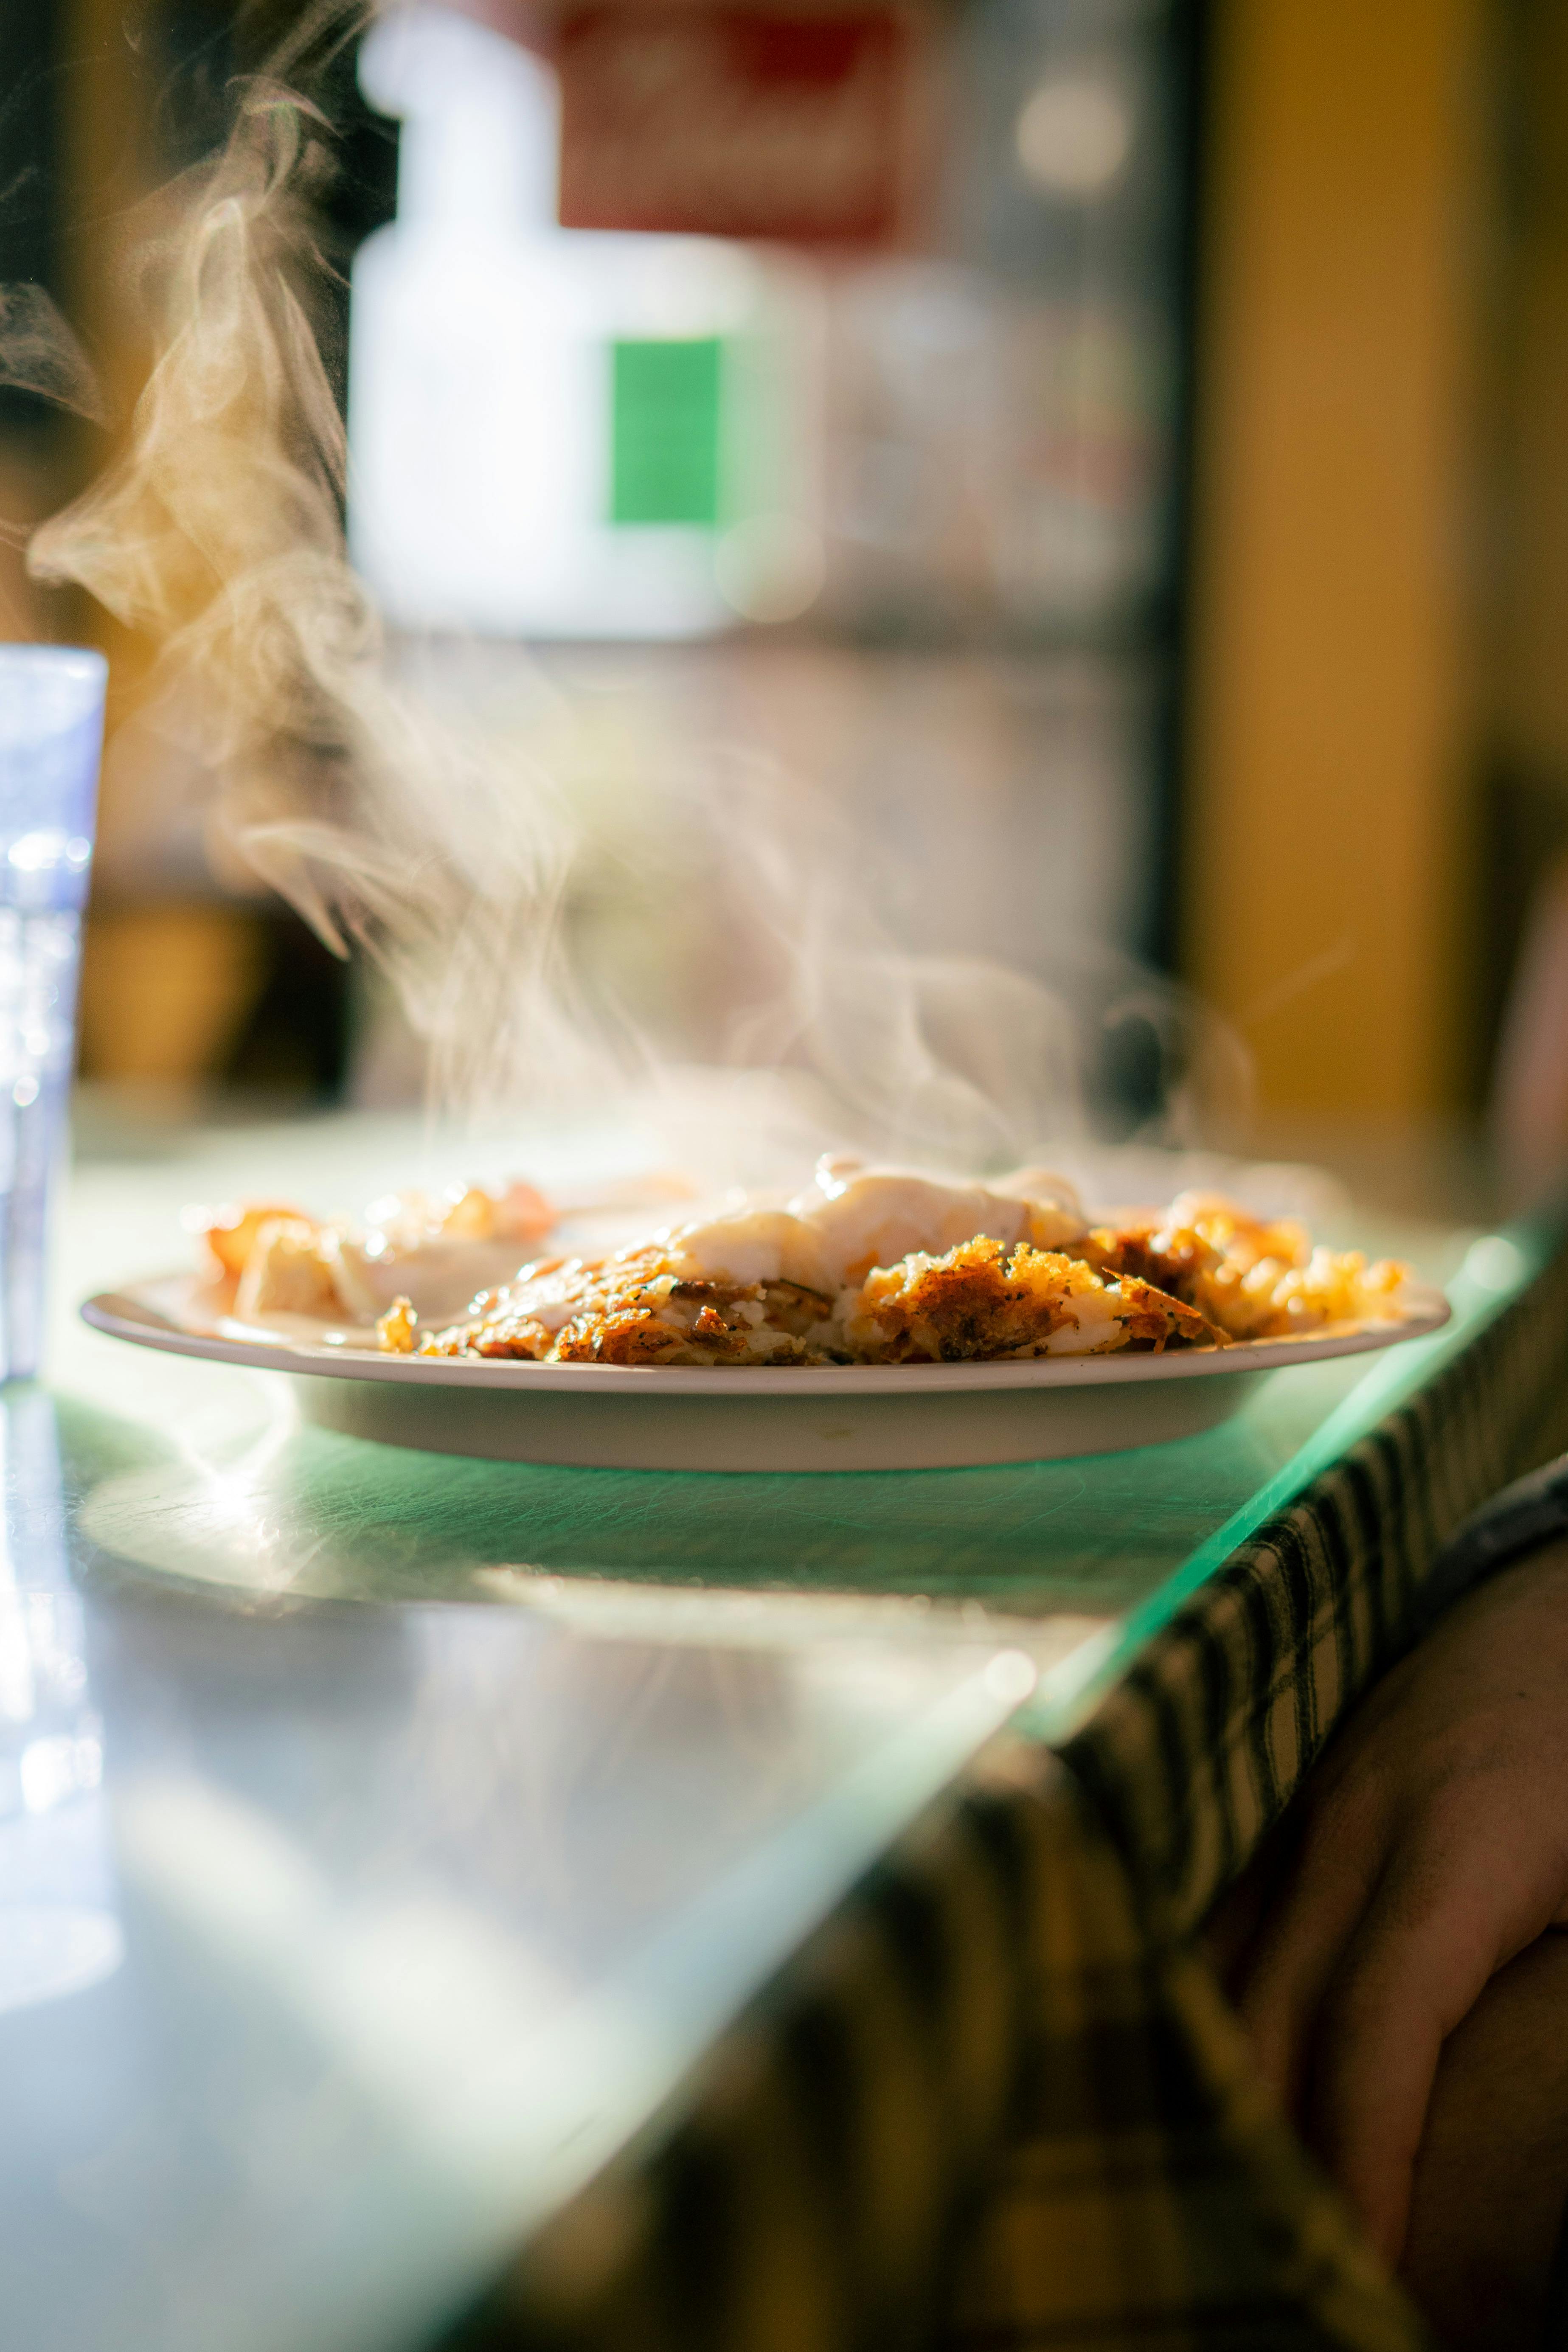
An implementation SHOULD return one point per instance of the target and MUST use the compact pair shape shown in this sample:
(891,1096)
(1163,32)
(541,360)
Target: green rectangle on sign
(664,432)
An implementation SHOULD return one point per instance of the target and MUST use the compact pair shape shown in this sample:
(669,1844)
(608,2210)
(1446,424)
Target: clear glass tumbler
(51,737)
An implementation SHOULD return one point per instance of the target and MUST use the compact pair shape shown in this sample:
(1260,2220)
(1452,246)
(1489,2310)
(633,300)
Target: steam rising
(218,532)
(454,860)
(39,353)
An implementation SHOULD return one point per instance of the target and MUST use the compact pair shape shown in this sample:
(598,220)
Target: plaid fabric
(835,2187)
(998,2103)
(1198,1750)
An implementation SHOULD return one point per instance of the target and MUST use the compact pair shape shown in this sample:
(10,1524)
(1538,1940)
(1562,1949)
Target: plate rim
(121,1315)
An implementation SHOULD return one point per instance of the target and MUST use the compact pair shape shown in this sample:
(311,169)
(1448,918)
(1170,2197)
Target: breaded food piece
(676,1321)
(519,1214)
(230,1231)
(983,1299)
(287,1271)
(397,1328)
(436,1249)
(1255,1279)
(636,1309)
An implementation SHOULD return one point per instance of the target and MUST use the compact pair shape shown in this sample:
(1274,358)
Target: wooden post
(1332,705)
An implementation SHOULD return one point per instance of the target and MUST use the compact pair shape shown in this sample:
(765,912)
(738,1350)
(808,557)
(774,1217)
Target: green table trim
(1497,1270)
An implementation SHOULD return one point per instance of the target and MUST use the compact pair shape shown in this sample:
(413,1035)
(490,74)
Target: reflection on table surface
(384,1835)
(339,1943)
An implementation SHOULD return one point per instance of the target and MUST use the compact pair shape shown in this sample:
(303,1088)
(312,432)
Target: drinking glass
(51,737)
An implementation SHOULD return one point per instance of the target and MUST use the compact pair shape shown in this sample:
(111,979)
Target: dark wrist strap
(1531,1512)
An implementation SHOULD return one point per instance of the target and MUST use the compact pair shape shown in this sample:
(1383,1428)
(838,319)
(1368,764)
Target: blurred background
(1117,449)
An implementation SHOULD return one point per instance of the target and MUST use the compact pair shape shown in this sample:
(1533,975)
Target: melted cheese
(438,1276)
(751,1244)
(850,1219)
(437,1253)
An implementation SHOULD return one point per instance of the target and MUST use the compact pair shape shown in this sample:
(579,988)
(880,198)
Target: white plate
(822,1417)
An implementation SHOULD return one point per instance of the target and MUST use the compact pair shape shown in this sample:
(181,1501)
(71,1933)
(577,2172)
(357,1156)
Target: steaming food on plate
(866,1266)
(879,1266)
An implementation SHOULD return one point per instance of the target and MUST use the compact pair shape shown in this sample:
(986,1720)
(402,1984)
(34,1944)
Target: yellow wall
(1331,708)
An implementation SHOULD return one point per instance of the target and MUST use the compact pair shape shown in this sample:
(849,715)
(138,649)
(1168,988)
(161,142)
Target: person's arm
(1433,1847)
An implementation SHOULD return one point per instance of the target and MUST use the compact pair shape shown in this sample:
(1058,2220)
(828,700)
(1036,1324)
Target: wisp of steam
(450,858)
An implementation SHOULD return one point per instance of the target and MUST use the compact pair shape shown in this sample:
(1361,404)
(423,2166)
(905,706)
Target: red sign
(734,123)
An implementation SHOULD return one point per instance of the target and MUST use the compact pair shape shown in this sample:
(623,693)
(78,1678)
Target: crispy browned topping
(983,1299)
(1200,1275)
(396,1329)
